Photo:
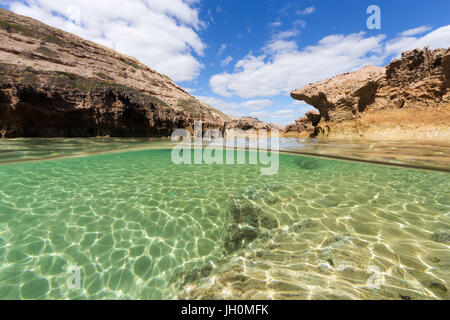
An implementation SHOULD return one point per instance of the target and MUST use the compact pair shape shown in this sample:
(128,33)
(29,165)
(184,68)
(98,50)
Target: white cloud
(190,90)
(286,34)
(279,46)
(304,109)
(162,34)
(415,31)
(283,67)
(439,38)
(226,61)
(279,116)
(284,116)
(225,106)
(306,11)
(274,115)
(229,108)
(256,104)
(275,24)
(223,47)
(259,108)
(299,22)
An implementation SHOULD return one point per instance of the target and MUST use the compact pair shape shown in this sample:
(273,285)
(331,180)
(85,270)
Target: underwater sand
(140,227)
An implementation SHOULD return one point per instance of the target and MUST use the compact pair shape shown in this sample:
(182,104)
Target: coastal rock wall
(103,111)
(343,96)
(55,84)
(420,78)
(250,123)
(411,93)
(304,125)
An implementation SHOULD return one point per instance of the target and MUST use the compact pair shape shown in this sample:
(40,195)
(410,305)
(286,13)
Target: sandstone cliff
(247,123)
(409,99)
(304,126)
(55,84)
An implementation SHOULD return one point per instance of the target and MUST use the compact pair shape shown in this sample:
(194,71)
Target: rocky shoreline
(55,84)
(407,100)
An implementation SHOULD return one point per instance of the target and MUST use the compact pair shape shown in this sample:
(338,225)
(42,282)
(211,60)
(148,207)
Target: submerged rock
(339,240)
(329,255)
(308,163)
(303,225)
(438,286)
(324,267)
(335,254)
(180,279)
(252,193)
(346,267)
(247,218)
(441,236)
(238,237)
(268,221)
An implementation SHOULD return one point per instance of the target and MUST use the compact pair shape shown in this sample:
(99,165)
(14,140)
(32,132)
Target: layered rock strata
(55,84)
(409,98)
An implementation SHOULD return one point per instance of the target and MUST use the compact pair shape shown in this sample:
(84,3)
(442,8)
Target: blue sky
(244,56)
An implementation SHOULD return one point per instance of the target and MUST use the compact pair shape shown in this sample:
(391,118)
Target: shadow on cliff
(26,111)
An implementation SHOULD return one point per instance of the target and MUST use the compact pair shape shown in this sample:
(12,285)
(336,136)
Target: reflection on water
(414,154)
(27,149)
(141,227)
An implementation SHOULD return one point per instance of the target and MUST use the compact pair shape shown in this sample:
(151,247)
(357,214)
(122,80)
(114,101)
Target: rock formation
(55,84)
(304,125)
(246,218)
(247,123)
(411,93)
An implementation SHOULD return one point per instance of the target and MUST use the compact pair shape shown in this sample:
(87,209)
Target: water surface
(140,227)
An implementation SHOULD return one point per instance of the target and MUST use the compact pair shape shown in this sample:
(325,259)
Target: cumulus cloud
(275,24)
(226,61)
(229,108)
(256,104)
(252,105)
(306,11)
(286,34)
(259,108)
(223,47)
(282,116)
(279,114)
(415,31)
(282,66)
(278,46)
(162,34)
(439,38)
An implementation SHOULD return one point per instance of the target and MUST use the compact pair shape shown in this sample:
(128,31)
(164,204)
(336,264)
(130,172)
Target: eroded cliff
(409,99)
(55,84)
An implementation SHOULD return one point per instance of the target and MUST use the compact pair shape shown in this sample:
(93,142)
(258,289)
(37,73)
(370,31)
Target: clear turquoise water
(134,223)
